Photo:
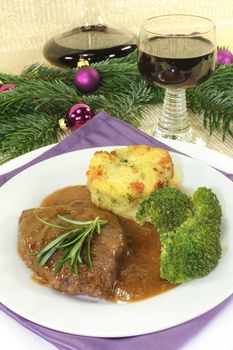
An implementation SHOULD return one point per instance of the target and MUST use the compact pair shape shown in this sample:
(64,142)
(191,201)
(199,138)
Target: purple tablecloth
(104,130)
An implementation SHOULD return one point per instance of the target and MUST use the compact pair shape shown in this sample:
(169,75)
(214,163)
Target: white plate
(94,317)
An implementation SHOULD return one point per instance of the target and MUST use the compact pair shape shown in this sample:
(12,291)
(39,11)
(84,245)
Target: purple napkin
(104,130)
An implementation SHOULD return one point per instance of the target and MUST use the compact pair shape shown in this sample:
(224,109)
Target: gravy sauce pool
(139,276)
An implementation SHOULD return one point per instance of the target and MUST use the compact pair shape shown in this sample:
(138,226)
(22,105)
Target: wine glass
(176,52)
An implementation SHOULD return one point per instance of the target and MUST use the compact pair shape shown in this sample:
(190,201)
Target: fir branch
(39,95)
(107,69)
(130,59)
(129,107)
(11,79)
(43,72)
(29,114)
(214,98)
(123,66)
(26,133)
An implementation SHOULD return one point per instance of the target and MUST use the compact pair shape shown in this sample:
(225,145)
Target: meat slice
(106,249)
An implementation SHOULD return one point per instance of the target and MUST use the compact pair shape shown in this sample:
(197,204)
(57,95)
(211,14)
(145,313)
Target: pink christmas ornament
(6,87)
(87,79)
(224,56)
(78,115)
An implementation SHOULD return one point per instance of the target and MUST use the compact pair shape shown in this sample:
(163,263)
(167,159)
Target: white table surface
(216,335)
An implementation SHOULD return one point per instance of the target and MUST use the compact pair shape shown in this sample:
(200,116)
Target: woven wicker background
(25,25)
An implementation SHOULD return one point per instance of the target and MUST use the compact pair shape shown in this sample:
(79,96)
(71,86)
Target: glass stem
(174,122)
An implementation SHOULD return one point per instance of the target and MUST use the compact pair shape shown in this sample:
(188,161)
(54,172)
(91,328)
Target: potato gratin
(121,179)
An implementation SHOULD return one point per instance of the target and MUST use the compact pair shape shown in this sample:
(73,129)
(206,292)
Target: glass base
(192,135)
(199,135)
(188,135)
(174,122)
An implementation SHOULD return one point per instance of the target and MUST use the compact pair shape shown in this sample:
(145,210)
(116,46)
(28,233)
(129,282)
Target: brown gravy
(139,276)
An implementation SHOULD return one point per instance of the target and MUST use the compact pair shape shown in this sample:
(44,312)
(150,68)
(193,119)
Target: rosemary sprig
(70,243)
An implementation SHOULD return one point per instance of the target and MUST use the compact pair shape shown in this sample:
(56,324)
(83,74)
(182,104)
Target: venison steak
(106,249)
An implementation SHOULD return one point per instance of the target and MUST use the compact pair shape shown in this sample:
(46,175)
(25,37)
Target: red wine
(176,62)
(93,43)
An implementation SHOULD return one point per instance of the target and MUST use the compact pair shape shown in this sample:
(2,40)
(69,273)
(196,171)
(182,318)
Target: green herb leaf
(70,243)
(75,222)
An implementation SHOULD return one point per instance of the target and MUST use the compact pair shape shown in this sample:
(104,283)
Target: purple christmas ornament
(224,56)
(78,115)
(87,79)
(6,87)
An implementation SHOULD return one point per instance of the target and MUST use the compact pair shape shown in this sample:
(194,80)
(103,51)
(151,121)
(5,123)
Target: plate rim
(129,334)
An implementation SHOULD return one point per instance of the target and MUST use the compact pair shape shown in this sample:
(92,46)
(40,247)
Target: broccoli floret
(192,251)
(166,208)
(206,206)
(189,231)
